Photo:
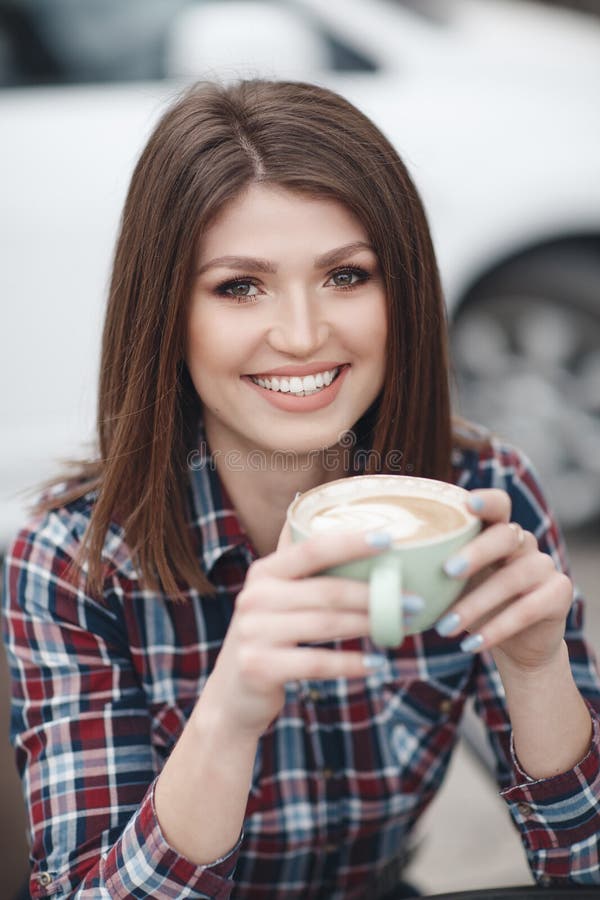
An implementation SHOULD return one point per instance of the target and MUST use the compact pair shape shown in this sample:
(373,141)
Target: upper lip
(299,371)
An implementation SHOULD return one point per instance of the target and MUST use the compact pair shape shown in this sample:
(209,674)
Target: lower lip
(290,403)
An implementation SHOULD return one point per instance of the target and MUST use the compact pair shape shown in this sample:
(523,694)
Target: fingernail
(476,503)
(373,660)
(456,565)
(471,643)
(447,624)
(379,540)
(412,603)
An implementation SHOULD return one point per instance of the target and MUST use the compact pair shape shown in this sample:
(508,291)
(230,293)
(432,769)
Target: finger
(299,627)
(300,663)
(285,538)
(498,542)
(319,552)
(550,602)
(318,592)
(322,592)
(490,504)
(521,576)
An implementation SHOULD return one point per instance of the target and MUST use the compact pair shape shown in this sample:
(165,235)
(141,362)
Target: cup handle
(385,601)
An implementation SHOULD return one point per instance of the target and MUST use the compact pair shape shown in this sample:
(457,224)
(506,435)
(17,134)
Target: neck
(262,485)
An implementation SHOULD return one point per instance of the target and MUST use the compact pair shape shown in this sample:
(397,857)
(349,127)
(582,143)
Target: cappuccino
(404,518)
(427,520)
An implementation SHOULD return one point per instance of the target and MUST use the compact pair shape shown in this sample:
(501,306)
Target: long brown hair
(206,149)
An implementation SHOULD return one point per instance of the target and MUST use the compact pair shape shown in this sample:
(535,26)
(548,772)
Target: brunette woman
(195,710)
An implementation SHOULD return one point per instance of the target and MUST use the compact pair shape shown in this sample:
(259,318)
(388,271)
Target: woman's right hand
(283,607)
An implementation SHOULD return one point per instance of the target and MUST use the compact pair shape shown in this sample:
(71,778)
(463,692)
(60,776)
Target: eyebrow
(263,265)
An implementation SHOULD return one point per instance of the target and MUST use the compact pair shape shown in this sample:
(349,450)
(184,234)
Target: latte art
(405,518)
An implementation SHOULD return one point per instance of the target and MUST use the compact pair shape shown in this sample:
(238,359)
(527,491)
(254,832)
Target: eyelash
(221,290)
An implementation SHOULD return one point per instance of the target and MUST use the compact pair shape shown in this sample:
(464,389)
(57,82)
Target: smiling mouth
(298,386)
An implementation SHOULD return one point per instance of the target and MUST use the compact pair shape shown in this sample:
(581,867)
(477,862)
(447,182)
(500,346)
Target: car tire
(526,354)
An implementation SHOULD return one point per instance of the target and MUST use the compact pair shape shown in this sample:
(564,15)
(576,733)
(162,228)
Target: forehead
(263,213)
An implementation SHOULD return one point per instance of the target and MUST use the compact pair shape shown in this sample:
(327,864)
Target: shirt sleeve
(81,730)
(558,817)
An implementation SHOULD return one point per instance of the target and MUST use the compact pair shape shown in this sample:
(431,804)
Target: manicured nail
(379,540)
(476,503)
(373,660)
(471,643)
(447,624)
(412,603)
(456,565)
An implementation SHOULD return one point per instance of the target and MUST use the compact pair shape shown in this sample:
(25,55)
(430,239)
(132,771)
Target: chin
(309,437)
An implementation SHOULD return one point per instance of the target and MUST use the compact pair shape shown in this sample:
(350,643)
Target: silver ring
(518,530)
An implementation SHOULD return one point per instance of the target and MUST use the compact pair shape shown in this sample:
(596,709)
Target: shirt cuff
(560,811)
(147,865)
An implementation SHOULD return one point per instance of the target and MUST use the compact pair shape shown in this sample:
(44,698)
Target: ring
(518,530)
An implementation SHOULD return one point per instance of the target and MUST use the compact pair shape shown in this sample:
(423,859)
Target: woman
(195,710)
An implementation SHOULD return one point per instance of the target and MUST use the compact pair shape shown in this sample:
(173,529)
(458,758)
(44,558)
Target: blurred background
(493,104)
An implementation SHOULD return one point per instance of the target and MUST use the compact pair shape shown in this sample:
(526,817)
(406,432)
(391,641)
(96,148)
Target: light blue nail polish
(476,503)
(379,540)
(471,643)
(374,660)
(447,624)
(456,565)
(412,603)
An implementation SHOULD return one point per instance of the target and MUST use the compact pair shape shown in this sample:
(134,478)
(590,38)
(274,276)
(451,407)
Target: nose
(300,327)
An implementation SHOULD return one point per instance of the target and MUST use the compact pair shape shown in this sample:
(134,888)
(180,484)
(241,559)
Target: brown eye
(348,277)
(241,289)
(343,279)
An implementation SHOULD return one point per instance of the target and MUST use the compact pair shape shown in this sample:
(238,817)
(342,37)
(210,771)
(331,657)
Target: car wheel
(526,352)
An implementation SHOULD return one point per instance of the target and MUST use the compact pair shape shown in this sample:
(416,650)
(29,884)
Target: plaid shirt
(102,690)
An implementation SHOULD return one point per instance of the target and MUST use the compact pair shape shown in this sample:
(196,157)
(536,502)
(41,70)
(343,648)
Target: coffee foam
(373,515)
(404,518)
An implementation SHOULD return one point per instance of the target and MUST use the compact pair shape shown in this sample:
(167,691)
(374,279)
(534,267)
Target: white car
(493,105)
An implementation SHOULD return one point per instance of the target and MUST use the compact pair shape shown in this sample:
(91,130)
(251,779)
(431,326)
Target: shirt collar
(212,511)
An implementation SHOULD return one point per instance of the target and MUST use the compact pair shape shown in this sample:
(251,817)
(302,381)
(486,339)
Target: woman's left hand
(515,602)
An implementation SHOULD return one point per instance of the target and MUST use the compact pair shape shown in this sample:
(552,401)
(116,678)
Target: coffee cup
(428,521)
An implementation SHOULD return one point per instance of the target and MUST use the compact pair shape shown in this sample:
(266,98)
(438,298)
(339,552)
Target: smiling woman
(219,159)
(275,322)
(252,356)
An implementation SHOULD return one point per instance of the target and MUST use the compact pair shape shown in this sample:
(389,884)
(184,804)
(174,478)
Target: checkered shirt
(101,690)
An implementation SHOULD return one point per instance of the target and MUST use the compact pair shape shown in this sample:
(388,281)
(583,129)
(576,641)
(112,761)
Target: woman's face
(287,286)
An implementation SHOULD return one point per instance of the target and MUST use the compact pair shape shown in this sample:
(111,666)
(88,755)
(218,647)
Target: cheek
(368,328)
(200,352)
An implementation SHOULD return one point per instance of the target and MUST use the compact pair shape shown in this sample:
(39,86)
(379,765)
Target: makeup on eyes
(361,274)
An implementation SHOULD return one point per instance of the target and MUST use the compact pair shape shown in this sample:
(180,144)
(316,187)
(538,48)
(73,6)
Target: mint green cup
(410,566)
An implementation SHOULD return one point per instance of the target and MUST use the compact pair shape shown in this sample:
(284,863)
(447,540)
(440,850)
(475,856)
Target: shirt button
(327,773)
(314,695)
(45,878)
(525,809)
(330,848)
(546,881)
(446,707)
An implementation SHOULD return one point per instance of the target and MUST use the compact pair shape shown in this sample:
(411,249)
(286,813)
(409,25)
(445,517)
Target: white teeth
(309,384)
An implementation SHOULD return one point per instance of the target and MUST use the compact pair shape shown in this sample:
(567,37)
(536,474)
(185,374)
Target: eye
(348,277)
(243,290)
